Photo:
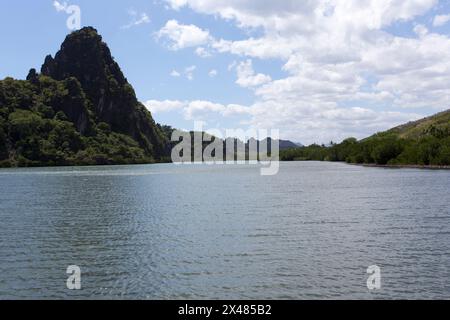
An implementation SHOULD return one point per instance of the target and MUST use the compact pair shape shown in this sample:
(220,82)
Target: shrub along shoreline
(383,149)
(404,166)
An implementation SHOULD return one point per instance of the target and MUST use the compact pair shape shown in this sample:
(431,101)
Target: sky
(318,71)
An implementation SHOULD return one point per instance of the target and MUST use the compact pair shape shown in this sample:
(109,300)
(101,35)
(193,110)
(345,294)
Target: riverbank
(403,166)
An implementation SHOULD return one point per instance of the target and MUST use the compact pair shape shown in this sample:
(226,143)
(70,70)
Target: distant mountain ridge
(286,144)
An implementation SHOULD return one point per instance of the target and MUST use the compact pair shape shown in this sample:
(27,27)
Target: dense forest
(424,142)
(80,110)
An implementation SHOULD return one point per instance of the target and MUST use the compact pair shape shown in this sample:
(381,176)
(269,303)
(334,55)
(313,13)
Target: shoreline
(366,165)
(402,166)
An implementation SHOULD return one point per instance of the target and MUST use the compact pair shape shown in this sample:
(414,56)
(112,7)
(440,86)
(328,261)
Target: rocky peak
(84,56)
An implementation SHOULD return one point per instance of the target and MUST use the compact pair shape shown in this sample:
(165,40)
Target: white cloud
(264,48)
(136,19)
(213,73)
(64,7)
(232,65)
(336,55)
(175,74)
(285,15)
(177,4)
(179,36)
(248,78)
(321,124)
(202,110)
(189,72)
(197,109)
(441,20)
(156,106)
(202,52)
(60,6)
(420,30)
(144,19)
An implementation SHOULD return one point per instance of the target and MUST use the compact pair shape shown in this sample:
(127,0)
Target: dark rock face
(75,107)
(85,57)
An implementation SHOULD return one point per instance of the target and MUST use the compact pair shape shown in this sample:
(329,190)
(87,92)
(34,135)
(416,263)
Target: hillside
(431,125)
(80,110)
(425,142)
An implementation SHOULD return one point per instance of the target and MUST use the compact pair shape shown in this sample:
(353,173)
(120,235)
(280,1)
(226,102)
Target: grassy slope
(417,129)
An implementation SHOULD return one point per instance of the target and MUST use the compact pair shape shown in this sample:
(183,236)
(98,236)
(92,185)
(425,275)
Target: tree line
(431,148)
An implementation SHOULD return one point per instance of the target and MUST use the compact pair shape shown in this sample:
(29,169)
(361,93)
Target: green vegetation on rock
(79,111)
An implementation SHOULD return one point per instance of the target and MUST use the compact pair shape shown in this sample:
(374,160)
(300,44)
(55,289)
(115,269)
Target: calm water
(195,232)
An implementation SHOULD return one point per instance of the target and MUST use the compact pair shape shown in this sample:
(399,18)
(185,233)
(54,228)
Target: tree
(386,149)
(428,150)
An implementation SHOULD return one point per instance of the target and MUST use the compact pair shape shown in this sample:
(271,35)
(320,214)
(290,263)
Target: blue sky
(317,70)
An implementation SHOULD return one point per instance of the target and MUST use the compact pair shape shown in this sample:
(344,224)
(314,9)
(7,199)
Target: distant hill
(425,142)
(286,144)
(283,144)
(79,110)
(234,148)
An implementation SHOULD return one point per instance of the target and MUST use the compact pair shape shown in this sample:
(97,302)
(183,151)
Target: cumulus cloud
(156,106)
(441,20)
(284,15)
(321,124)
(196,109)
(346,73)
(248,78)
(179,36)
